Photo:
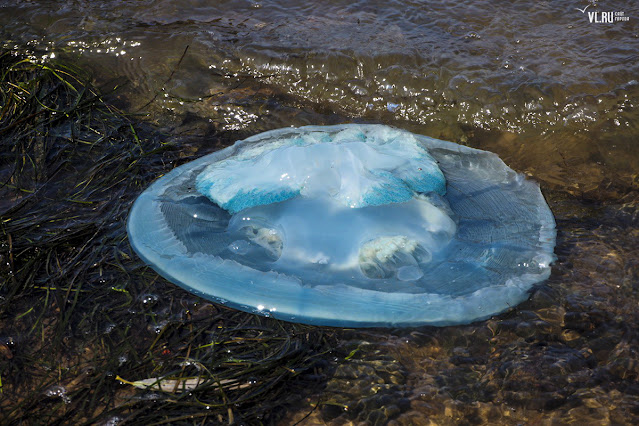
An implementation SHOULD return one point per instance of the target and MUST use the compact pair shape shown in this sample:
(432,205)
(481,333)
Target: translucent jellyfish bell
(349,225)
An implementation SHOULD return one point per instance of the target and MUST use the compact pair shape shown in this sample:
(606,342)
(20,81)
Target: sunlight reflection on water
(554,95)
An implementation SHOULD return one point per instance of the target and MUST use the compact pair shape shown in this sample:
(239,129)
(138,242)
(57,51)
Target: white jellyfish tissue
(349,225)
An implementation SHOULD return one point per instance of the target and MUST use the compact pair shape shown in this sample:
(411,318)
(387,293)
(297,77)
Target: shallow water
(555,96)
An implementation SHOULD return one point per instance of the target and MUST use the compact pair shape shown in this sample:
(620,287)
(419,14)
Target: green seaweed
(89,333)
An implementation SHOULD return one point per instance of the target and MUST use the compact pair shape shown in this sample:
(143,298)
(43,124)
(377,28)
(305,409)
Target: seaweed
(88,333)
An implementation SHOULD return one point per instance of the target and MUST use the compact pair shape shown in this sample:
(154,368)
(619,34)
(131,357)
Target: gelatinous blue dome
(349,225)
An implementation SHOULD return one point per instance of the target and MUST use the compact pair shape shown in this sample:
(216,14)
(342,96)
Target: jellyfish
(350,225)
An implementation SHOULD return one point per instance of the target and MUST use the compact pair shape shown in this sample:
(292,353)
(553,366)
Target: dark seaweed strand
(78,308)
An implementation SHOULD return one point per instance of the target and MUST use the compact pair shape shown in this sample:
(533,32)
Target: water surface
(553,94)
